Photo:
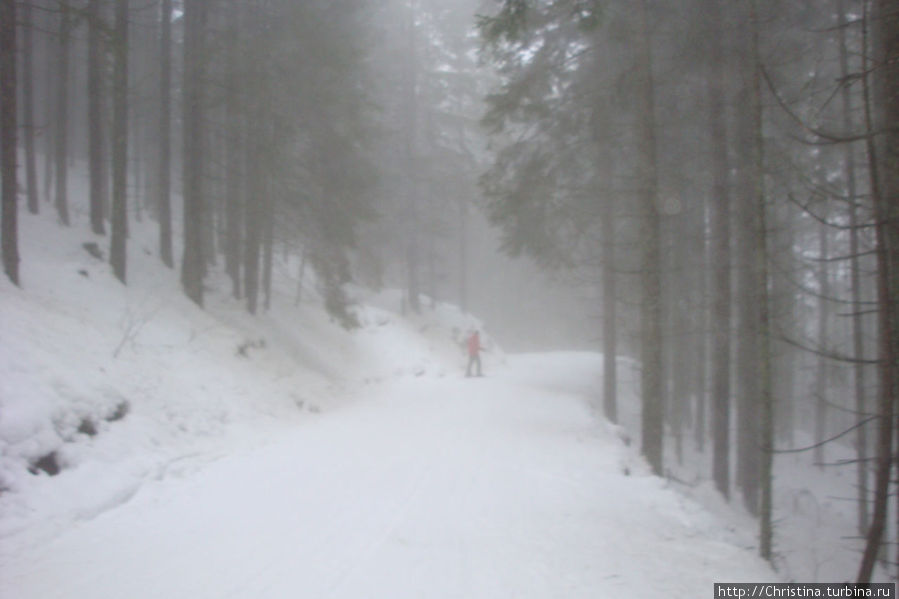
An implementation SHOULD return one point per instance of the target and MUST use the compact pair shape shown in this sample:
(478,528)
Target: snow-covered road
(499,487)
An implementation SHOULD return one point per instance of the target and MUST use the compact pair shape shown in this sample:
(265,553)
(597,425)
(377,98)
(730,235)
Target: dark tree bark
(784,320)
(28,107)
(234,211)
(678,291)
(266,207)
(720,249)
(49,107)
(9,188)
(62,113)
(884,167)
(823,326)
(609,316)
(164,174)
(99,185)
(746,234)
(701,371)
(119,236)
(607,251)
(754,406)
(413,249)
(236,154)
(253,211)
(193,267)
(858,369)
(651,275)
(762,461)
(252,235)
(268,246)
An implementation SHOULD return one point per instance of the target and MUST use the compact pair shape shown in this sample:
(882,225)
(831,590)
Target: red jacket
(474,344)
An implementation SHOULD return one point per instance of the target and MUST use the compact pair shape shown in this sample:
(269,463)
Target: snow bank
(432,342)
(105,386)
(432,487)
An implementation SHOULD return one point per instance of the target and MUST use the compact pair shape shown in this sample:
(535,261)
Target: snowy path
(497,487)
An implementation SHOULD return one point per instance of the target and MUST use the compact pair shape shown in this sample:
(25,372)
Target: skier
(474,353)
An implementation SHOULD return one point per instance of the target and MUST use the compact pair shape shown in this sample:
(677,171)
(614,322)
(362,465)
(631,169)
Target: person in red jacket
(474,353)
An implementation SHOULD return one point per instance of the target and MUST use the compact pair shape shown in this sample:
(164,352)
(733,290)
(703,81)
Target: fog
(697,187)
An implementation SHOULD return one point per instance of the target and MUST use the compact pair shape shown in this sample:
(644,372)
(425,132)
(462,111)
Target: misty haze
(449,298)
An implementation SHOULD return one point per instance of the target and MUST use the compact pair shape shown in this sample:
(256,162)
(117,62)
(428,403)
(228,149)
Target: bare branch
(826,441)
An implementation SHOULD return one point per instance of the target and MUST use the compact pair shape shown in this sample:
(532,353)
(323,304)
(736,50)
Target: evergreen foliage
(539,189)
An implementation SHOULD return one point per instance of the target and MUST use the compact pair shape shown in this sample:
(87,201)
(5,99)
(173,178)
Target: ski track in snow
(500,487)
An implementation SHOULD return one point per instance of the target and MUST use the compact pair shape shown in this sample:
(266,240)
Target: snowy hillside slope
(815,536)
(111,385)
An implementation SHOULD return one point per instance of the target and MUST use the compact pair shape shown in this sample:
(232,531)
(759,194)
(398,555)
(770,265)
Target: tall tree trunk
(99,187)
(9,188)
(164,175)
(268,244)
(763,446)
(413,251)
(46,21)
(651,275)
(751,291)
(28,107)
(236,150)
(253,209)
(719,224)
(49,109)
(62,113)
(679,292)
(609,316)
(252,237)
(858,370)
(193,264)
(700,373)
(143,128)
(267,217)
(884,193)
(784,319)
(822,376)
(119,235)
(607,225)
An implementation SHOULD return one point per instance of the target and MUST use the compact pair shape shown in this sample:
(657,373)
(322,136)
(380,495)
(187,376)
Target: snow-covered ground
(208,453)
(424,487)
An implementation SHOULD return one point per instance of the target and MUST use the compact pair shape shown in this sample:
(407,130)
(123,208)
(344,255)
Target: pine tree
(163,185)
(193,265)
(858,369)
(119,231)
(27,80)
(885,191)
(537,189)
(651,285)
(8,123)
(720,248)
(61,122)
(99,185)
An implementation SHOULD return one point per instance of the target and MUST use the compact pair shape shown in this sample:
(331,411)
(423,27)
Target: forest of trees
(742,158)
(725,174)
(239,124)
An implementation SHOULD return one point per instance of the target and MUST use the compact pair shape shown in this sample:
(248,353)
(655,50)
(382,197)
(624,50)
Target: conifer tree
(9,190)
(119,230)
